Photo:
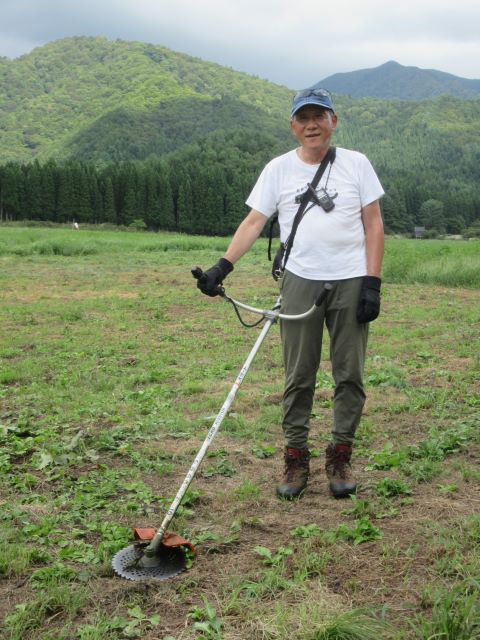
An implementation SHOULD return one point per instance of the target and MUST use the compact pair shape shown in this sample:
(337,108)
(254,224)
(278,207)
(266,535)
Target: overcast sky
(291,42)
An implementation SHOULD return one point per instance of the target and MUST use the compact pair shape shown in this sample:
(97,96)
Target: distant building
(419,232)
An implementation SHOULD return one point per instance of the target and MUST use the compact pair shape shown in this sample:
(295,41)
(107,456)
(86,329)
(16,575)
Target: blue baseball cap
(320,97)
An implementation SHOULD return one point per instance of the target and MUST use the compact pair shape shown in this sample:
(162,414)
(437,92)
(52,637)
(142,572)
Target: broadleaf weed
(362,531)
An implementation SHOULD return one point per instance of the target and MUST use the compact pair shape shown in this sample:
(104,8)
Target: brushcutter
(159,554)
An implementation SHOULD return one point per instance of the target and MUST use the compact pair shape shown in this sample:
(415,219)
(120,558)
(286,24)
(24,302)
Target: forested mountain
(392,80)
(123,132)
(102,100)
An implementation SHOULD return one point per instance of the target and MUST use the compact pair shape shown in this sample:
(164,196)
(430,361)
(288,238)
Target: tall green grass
(449,263)
(65,242)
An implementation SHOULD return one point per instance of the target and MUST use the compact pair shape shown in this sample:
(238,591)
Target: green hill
(199,133)
(104,100)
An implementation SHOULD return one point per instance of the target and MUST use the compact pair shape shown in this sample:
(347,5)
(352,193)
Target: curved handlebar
(273,313)
(270,313)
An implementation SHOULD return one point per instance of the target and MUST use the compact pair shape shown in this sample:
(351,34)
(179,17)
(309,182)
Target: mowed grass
(112,369)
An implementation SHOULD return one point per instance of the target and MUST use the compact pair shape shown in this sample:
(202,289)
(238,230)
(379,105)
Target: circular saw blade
(171,561)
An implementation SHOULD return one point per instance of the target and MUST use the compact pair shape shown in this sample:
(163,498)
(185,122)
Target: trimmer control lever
(326,288)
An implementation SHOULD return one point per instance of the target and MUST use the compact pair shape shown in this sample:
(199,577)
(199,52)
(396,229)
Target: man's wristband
(225,266)
(372,282)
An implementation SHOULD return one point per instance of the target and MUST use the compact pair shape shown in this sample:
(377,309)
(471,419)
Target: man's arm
(374,238)
(246,234)
(369,301)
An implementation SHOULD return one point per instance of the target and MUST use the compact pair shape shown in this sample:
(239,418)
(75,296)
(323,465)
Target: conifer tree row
(202,188)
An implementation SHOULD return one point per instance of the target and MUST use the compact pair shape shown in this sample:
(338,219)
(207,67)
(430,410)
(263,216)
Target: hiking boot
(339,470)
(295,478)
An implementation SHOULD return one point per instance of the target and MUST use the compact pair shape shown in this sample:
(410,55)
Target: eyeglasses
(312,92)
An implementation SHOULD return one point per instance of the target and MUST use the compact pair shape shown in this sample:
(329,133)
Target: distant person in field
(341,244)
(75,226)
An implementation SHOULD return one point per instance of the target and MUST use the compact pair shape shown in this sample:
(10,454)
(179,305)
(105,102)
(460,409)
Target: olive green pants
(302,349)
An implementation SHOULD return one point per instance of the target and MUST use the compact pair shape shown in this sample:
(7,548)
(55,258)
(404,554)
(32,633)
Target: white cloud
(290,42)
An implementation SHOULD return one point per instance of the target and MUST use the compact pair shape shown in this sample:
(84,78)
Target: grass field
(112,369)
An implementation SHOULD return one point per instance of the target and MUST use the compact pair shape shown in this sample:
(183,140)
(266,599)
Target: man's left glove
(210,279)
(369,301)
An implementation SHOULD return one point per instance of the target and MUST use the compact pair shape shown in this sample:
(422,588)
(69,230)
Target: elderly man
(338,240)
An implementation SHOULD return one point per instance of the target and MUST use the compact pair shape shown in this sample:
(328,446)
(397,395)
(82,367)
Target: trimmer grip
(326,288)
(197,273)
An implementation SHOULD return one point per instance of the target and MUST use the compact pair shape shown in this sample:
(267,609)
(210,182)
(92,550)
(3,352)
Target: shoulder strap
(329,158)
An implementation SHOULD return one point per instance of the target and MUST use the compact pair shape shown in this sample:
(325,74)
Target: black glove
(369,301)
(210,279)
(277,262)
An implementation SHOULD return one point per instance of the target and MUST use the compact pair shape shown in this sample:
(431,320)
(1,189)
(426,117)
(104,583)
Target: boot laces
(292,464)
(341,463)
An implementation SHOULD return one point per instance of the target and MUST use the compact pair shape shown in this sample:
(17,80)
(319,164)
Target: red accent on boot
(343,448)
(294,453)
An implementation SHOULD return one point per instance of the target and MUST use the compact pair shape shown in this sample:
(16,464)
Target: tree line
(197,191)
(202,188)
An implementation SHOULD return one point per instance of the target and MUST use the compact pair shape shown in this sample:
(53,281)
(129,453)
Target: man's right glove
(212,278)
(369,301)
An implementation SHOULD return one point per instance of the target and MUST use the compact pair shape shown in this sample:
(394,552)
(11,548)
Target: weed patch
(113,368)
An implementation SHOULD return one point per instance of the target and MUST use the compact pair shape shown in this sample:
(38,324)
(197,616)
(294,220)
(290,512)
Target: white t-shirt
(327,246)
